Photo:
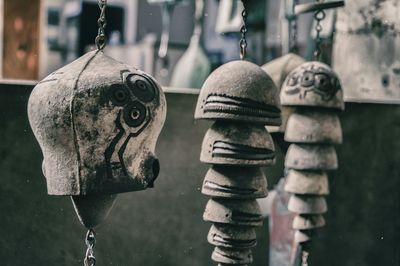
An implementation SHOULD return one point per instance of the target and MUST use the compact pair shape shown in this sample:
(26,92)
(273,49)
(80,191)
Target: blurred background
(180,43)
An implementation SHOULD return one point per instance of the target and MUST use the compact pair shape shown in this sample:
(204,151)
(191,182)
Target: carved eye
(308,79)
(134,114)
(141,87)
(119,94)
(322,83)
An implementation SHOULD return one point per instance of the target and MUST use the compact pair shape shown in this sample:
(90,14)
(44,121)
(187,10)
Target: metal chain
(90,241)
(318,16)
(294,32)
(304,258)
(243,31)
(101,35)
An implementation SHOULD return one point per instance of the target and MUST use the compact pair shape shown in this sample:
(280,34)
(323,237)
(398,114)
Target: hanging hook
(101,35)
(243,31)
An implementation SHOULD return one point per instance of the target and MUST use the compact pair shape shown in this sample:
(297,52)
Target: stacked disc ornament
(312,129)
(241,98)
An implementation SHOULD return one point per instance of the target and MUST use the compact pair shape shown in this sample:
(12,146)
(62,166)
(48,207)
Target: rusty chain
(243,31)
(318,16)
(90,242)
(102,23)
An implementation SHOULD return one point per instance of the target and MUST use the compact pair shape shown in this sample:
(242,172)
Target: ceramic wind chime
(312,129)
(97,122)
(241,98)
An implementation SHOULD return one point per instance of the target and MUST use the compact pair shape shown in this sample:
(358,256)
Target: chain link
(102,23)
(318,16)
(90,242)
(243,31)
(304,258)
(294,31)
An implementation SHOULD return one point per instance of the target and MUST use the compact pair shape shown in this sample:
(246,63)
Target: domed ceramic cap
(235,182)
(312,84)
(307,182)
(313,127)
(239,91)
(239,144)
(97,122)
(311,157)
(232,256)
(303,236)
(93,209)
(307,204)
(224,235)
(307,222)
(243,212)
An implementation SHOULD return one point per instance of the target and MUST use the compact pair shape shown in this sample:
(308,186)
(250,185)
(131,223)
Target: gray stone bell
(235,183)
(237,143)
(230,236)
(316,126)
(307,204)
(97,122)
(307,222)
(307,182)
(228,256)
(311,157)
(235,212)
(239,91)
(312,84)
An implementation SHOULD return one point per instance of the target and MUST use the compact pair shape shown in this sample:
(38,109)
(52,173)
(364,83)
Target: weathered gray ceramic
(312,84)
(311,157)
(227,256)
(307,182)
(93,209)
(278,69)
(307,222)
(235,182)
(235,212)
(313,126)
(239,91)
(238,144)
(97,122)
(302,236)
(224,235)
(307,204)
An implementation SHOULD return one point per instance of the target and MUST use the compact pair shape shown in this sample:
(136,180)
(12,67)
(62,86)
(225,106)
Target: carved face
(97,122)
(312,84)
(239,144)
(239,91)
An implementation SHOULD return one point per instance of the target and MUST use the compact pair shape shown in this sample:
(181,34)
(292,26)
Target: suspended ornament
(194,66)
(97,122)
(242,99)
(313,128)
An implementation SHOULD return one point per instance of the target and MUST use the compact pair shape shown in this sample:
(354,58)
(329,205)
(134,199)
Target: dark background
(164,226)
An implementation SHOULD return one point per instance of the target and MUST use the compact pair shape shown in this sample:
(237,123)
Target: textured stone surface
(307,204)
(306,222)
(311,157)
(237,144)
(97,121)
(312,84)
(235,182)
(313,126)
(307,182)
(239,91)
(231,236)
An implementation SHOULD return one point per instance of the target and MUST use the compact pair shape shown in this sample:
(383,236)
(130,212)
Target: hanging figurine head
(312,84)
(97,122)
(239,91)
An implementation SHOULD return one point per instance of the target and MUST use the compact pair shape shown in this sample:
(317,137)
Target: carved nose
(156,170)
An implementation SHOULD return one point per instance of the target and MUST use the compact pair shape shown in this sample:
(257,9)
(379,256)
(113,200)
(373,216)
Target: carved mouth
(237,151)
(237,243)
(239,106)
(229,189)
